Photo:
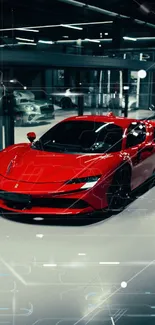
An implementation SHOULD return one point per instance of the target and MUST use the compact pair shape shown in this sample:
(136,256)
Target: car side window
(136,134)
(112,137)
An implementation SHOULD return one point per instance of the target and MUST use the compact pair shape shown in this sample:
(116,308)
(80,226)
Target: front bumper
(50,198)
(42,205)
(34,117)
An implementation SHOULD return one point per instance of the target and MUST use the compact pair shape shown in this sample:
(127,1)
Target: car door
(140,151)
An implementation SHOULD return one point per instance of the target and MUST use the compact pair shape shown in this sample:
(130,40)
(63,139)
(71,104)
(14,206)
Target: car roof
(120,121)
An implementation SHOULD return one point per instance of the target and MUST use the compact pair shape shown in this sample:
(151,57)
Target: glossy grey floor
(101,273)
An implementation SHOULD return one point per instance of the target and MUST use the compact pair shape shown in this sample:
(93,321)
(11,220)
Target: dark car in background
(67,98)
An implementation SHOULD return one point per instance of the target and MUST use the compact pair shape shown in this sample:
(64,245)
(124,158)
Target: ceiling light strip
(54,26)
(92,40)
(28,30)
(145,38)
(94,23)
(71,26)
(24,43)
(45,42)
(85,40)
(128,38)
(25,39)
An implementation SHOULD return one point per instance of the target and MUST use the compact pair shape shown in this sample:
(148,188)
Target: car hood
(41,102)
(22,163)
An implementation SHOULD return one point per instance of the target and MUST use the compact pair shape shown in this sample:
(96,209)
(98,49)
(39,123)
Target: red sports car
(81,165)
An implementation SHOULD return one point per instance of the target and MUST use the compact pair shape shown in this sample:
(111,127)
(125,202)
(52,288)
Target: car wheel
(119,192)
(66,103)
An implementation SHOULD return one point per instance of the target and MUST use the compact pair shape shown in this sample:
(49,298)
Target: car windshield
(81,136)
(25,100)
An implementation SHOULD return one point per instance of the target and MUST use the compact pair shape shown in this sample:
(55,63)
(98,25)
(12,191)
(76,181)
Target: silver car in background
(28,110)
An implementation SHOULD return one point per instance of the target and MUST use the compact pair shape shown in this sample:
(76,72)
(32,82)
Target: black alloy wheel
(119,192)
(66,103)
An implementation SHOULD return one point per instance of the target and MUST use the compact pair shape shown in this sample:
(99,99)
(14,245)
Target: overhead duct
(106,12)
(141,22)
(89,7)
(93,8)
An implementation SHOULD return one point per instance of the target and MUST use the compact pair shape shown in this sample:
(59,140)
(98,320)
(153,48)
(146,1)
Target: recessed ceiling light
(106,34)
(65,36)
(33,28)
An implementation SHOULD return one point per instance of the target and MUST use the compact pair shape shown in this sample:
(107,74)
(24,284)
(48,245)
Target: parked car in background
(67,98)
(28,110)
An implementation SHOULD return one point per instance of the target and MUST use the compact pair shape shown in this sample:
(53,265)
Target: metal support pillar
(80,95)
(80,105)
(1,118)
(126,91)
(8,106)
(118,33)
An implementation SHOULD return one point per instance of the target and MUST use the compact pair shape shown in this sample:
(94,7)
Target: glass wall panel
(43,98)
(139,95)
(39,95)
(104,92)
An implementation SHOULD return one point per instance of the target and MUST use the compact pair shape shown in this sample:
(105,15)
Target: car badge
(9,167)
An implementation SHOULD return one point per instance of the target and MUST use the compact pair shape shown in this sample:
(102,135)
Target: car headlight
(29,107)
(89,179)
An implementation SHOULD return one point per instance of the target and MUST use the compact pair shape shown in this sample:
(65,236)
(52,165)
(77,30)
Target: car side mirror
(31,136)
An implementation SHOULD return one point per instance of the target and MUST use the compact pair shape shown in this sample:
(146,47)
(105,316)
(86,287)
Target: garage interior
(64,58)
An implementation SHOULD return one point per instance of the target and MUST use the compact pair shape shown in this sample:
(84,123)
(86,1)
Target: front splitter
(51,219)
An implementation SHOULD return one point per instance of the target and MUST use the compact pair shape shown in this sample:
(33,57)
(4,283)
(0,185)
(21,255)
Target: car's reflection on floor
(98,273)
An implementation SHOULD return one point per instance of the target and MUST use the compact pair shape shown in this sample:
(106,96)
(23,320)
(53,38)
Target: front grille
(15,197)
(23,201)
(59,203)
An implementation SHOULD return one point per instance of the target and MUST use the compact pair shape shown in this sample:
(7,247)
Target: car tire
(118,195)
(66,103)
